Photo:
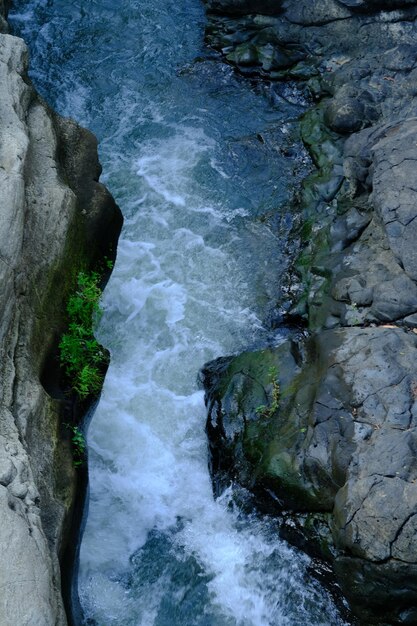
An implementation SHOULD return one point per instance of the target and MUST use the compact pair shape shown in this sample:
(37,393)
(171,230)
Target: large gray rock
(394,158)
(54,216)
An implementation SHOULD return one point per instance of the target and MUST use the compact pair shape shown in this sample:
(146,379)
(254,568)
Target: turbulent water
(197,158)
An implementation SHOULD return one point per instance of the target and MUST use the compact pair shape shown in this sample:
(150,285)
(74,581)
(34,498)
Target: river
(197,159)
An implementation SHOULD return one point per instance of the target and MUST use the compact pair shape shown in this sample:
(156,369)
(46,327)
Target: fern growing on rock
(81,356)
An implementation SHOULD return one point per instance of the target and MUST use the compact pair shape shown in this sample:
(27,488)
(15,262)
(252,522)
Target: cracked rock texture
(336,455)
(54,217)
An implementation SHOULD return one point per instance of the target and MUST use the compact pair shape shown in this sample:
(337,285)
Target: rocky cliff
(323,428)
(55,219)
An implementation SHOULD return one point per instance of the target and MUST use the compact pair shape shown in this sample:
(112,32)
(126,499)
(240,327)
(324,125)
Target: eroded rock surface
(336,453)
(54,218)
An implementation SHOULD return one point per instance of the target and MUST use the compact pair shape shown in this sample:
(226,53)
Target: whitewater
(197,276)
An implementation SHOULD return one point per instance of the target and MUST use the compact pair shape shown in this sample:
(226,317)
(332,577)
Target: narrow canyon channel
(202,163)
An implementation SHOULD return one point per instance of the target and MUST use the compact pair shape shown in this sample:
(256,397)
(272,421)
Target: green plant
(267,411)
(81,356)
(78,444)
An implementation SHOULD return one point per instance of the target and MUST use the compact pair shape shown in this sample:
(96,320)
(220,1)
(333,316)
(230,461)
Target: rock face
(322,429)
(341,444)
(55,218)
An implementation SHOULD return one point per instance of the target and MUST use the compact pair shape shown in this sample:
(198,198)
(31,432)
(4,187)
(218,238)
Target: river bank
(328,438)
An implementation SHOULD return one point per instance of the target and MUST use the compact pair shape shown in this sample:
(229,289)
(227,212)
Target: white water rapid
(196,270)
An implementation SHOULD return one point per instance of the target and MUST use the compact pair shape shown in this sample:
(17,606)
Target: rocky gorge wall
(323,428)
(55,219)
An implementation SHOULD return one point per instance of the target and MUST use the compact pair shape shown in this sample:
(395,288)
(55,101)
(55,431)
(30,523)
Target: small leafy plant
(81,356)
(267,411)
(78,444)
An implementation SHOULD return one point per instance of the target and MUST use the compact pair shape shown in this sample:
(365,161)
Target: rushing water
(194,157)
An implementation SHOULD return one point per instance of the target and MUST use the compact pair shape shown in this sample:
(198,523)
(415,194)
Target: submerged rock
(55,218)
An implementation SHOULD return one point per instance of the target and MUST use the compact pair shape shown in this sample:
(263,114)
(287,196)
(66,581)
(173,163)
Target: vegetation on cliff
(84,360)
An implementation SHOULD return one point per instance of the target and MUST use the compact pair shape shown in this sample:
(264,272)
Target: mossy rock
(258,441)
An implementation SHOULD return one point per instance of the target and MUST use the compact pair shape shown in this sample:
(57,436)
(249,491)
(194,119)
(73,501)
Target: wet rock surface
(55,219)
(335,449)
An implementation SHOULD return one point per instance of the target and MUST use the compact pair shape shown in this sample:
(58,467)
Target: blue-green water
(194,157)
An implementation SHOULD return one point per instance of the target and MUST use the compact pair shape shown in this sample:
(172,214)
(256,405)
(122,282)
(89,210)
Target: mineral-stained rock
(54,217)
